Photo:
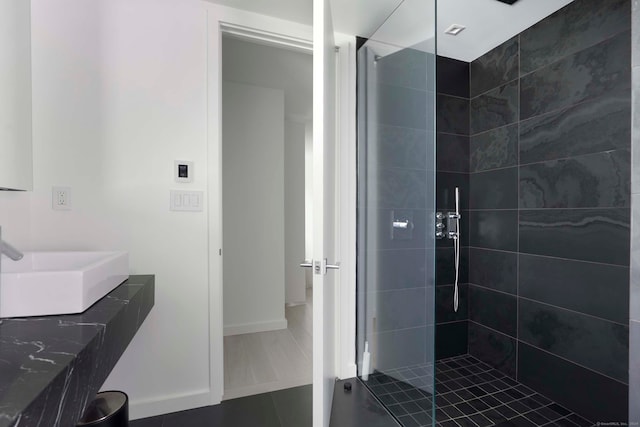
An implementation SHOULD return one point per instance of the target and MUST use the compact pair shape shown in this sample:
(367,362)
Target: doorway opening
(266,194)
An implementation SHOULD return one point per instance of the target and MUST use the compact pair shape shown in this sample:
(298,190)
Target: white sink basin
(46,283)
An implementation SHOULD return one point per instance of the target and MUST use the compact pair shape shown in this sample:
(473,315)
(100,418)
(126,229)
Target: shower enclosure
(522,318)
(396,207)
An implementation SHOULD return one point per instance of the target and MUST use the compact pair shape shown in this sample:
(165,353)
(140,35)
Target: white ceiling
(488,22)
(276,68)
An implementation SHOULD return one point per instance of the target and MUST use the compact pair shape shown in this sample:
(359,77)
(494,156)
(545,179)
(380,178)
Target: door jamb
(270,31)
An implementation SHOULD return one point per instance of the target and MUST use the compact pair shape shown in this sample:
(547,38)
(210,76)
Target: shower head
(508,1)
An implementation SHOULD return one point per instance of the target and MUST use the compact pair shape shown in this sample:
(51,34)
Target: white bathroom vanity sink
(46,283)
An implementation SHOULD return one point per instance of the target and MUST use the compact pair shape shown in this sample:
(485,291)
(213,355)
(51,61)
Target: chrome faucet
(10,251)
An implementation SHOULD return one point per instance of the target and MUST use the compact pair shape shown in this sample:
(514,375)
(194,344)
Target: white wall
(294,211)
(119,93)
(253,208)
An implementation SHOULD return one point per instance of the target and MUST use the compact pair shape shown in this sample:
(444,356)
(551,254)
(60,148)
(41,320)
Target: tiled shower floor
(469,393)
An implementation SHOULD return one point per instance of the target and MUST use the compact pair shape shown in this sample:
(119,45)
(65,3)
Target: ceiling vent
(508,1)
(454,29)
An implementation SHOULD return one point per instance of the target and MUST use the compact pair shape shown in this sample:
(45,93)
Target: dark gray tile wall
(452,165)
(401,289)
(550,208)
(634,303)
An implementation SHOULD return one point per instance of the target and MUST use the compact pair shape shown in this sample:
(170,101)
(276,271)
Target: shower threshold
(469,393)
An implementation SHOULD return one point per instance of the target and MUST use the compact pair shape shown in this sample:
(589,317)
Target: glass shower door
(396,209)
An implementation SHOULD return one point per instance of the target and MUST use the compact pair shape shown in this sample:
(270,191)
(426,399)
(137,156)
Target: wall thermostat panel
(183,171)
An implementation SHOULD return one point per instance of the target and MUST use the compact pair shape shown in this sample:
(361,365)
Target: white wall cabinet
(16,170)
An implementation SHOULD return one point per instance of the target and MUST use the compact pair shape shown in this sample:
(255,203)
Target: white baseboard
(167,404)
(249,328)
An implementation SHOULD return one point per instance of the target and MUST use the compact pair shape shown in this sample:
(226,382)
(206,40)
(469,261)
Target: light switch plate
(186,201)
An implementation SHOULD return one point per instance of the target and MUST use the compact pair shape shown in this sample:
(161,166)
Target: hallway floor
(469,393)
(268,361)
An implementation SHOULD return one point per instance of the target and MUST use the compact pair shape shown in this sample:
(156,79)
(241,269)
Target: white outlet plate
(61,198)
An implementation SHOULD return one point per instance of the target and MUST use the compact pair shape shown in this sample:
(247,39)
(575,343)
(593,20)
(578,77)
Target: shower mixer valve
(451,227)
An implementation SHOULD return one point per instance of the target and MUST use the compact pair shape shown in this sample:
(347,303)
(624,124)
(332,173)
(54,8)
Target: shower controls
(440,225)
(401,225)
(452,232)
(452,225)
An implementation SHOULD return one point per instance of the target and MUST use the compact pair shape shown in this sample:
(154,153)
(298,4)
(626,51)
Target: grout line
(603,41)
(577,156)
(491,329)
(549,256)
(597,208)
(574,363)
(573,311)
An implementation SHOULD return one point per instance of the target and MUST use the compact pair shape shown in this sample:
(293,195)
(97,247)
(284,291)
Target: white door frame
(291,35)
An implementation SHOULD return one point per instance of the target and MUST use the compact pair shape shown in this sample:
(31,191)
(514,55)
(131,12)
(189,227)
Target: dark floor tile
(493,109)
(452,77)
(495,416)
(497,349)
(466,422)
(603,124)
(493,269)
(600,235)
(495,189)
(494,229)
(575,27)
(551,415)
(602,69)
(357,407)
(294,406)
(147,422)
(596,289)
(497,148)
(591,181)
(536,418)
(482,309)
(406,421)
(244,412)
(596,344)
(495,68)
(571,385)
(506,411)
(481,420)
(517,422)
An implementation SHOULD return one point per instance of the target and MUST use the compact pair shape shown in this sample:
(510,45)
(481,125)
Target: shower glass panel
(396,210)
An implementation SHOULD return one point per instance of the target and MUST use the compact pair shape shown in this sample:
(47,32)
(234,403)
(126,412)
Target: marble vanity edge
(110,325)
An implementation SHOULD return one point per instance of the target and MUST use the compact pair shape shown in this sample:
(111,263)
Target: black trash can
(108,409)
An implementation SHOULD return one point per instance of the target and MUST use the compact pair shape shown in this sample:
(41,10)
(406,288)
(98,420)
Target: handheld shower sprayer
(456,249)
(453,233)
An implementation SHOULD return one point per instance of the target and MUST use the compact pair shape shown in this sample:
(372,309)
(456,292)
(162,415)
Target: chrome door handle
(306,264)
(335,266)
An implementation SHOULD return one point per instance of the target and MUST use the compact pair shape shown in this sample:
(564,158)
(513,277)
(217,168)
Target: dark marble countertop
(52,366)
